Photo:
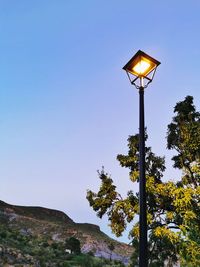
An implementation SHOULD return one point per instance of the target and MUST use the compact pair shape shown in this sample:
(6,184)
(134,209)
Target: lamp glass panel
(141,67)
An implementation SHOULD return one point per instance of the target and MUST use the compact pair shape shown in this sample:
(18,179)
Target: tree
(73,244)
(111,247)
(173,207)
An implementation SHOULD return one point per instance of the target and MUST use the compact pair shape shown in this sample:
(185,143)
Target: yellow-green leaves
(182,198)
(162,232)
(173,207)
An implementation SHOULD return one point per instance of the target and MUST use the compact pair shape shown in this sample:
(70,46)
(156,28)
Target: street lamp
(141,70)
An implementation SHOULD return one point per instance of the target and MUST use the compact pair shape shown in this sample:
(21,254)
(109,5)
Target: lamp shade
(141,64)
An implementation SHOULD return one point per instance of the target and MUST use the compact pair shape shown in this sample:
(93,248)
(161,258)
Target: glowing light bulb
(141,67)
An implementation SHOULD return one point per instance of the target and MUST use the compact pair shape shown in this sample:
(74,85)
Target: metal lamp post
(140,70)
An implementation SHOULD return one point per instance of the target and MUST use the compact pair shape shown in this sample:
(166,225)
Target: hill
(33,235)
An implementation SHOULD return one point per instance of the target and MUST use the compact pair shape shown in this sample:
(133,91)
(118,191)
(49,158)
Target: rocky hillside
(26,232)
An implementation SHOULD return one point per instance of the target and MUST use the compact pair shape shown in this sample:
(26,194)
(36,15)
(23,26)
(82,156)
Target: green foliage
(111,246)
(173,207)
(73,244)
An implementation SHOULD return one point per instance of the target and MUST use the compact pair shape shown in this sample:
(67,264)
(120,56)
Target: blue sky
(66,105)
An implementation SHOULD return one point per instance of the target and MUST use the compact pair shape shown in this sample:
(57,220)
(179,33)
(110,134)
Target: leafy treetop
(173,207)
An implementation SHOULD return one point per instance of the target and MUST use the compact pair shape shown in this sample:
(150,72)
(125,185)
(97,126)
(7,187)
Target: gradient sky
(66,105)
